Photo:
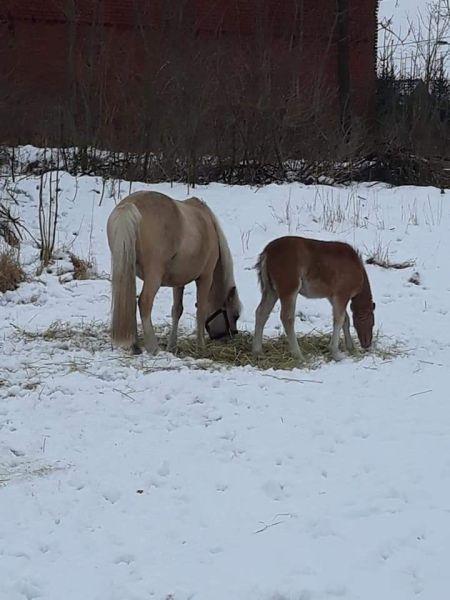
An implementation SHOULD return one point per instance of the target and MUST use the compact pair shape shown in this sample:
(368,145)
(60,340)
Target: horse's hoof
(136,350)
(338,356)
(152,350)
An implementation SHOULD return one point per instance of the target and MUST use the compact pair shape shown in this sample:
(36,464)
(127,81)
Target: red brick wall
(44,44)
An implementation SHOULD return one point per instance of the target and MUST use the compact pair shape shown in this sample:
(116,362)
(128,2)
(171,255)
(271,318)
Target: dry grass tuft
(82,269)
(380,257)
(11,272)
(387,264)
(234,353)
(415,278)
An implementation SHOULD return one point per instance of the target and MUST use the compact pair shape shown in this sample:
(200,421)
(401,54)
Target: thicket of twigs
(203,118)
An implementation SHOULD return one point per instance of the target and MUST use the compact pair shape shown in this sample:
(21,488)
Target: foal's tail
(123,226)
(265,282)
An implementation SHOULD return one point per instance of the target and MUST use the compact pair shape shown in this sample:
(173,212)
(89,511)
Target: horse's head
(223,321)
(363,321)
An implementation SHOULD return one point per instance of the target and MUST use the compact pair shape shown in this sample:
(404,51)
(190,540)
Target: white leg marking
(263,311)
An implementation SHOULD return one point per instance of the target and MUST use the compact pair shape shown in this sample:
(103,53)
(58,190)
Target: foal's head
(363,320)
(223,321)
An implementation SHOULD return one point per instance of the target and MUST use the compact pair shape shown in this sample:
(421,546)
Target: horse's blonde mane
(225,262)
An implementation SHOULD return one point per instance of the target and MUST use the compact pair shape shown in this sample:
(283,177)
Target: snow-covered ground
(131,478)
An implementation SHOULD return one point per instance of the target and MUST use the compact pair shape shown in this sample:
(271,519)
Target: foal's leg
(339,313)
(269,297)
(347,337)
(151,286)
(288,319)
(177,311)
(203,288)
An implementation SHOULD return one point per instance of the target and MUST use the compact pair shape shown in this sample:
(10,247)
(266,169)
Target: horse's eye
(373,306)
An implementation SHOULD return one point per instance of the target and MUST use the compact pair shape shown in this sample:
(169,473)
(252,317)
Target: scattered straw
(234,353)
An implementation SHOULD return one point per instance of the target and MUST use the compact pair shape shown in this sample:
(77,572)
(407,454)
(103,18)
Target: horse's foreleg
(177,311)
(145,308)
(263,311)
(288,319)
(203,288)
(347,337)
(339,313)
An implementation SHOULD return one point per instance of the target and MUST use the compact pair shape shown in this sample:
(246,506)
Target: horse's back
(166,215)
(319,268)
(153,206)
(176,238)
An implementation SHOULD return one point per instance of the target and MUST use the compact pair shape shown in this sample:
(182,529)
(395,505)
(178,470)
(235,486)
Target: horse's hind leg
(288,319)
(146,299)
(347,337)
(177,311)
(339,313)
(269,297)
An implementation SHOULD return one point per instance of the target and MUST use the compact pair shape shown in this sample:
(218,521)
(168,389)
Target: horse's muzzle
(218,326)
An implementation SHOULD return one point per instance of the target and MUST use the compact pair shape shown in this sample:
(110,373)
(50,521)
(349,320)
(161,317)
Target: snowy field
(132,478)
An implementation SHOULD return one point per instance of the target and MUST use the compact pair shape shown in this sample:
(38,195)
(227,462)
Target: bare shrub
(48,214)
(9,229)
(11,272)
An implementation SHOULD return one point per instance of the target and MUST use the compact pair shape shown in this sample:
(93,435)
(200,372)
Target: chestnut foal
(292,265)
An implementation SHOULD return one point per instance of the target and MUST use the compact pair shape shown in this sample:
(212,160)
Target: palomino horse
(169,243)
(292,265)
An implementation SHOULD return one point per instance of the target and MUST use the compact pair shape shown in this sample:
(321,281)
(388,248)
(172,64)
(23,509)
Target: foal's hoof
(136,350)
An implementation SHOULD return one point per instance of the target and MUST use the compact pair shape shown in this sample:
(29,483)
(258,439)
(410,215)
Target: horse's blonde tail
(123,226)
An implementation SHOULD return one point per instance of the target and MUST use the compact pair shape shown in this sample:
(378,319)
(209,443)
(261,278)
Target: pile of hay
(236,352)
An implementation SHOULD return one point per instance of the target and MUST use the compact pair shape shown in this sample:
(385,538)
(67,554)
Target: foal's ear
(231,293)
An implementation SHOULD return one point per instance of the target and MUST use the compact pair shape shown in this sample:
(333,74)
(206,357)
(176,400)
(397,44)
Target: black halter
(228,331)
